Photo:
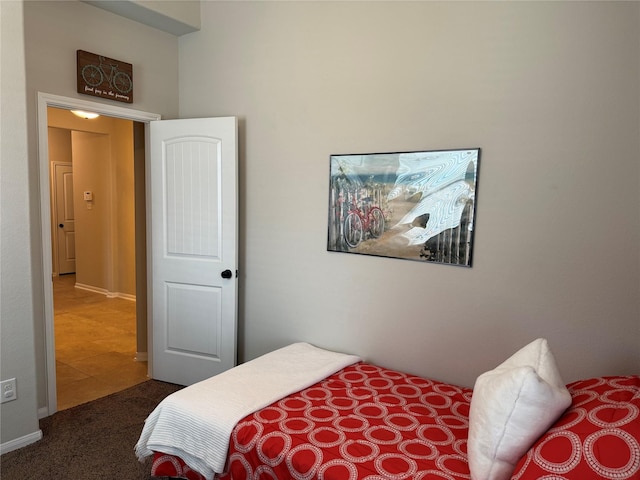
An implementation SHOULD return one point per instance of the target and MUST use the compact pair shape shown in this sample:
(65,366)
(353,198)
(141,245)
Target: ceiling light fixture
(86,115)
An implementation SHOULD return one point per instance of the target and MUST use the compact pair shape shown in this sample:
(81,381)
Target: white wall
(52,36)
(548,90)
(18,418)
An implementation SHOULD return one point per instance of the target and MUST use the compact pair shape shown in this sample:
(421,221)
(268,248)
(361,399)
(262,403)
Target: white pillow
(512,405)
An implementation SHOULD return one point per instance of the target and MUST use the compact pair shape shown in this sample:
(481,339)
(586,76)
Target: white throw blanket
(196,423)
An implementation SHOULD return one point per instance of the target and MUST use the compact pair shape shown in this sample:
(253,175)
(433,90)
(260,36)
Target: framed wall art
(412,205)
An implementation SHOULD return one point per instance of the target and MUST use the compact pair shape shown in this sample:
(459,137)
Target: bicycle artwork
(104,77)
(410,205)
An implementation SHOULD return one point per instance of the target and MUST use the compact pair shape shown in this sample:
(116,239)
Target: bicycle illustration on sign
(104,77)
(94,75)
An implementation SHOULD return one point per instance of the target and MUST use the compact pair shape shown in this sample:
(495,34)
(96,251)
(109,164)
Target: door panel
(188,327)
(193,172)
(193,180)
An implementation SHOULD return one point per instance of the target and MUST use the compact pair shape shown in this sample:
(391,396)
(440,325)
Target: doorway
(93,238)
(140,118)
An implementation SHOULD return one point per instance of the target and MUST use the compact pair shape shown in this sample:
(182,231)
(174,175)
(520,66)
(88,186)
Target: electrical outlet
(8,390)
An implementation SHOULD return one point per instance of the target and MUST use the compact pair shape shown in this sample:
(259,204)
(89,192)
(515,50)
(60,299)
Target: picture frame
(415,205)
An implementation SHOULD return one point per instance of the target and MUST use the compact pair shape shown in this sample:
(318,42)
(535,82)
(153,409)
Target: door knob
(226,274)
(61,225)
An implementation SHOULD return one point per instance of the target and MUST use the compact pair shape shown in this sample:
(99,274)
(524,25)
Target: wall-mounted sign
(104,77)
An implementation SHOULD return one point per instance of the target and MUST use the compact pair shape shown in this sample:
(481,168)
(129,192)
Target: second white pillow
(512,405)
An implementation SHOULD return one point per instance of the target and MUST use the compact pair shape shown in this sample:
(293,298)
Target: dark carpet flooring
(90,441)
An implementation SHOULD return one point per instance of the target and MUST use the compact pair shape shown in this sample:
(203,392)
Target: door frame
(46,100)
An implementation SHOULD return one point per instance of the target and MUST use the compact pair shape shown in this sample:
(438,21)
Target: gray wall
(548,90)
(39,43)
(52,37)
(18,418)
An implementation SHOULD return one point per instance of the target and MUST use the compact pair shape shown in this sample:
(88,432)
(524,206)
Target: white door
(64,218)
(193,184)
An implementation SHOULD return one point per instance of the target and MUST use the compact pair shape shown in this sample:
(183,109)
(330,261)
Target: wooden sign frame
(104,77)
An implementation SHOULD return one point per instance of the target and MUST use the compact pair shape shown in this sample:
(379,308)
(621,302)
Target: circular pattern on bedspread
(597,437)
(364,422)
(369,423)
(173,467)
(272,448)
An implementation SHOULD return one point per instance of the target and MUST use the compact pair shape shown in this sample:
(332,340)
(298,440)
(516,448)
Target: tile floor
(95,344)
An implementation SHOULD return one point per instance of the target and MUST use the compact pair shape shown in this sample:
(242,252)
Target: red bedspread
(597,437)
(363,422)
(366,422)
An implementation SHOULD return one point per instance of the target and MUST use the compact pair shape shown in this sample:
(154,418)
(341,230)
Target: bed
(363,421)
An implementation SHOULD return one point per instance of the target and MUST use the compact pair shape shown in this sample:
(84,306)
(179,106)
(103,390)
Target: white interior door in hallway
(65,244)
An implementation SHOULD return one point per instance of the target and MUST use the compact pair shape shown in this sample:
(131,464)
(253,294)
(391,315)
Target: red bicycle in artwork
(357,222)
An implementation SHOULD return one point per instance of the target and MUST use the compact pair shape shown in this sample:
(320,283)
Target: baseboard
(43,412)
(142,357)
(90,288)
(12,445)
(126,296)
(105,292)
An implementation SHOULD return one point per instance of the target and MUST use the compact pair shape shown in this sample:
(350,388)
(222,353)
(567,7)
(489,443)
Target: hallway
(95,344)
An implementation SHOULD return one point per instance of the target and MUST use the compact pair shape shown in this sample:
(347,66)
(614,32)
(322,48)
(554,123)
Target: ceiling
(177,17)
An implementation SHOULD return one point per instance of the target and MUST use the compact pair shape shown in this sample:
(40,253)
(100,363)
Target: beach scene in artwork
(410,205)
